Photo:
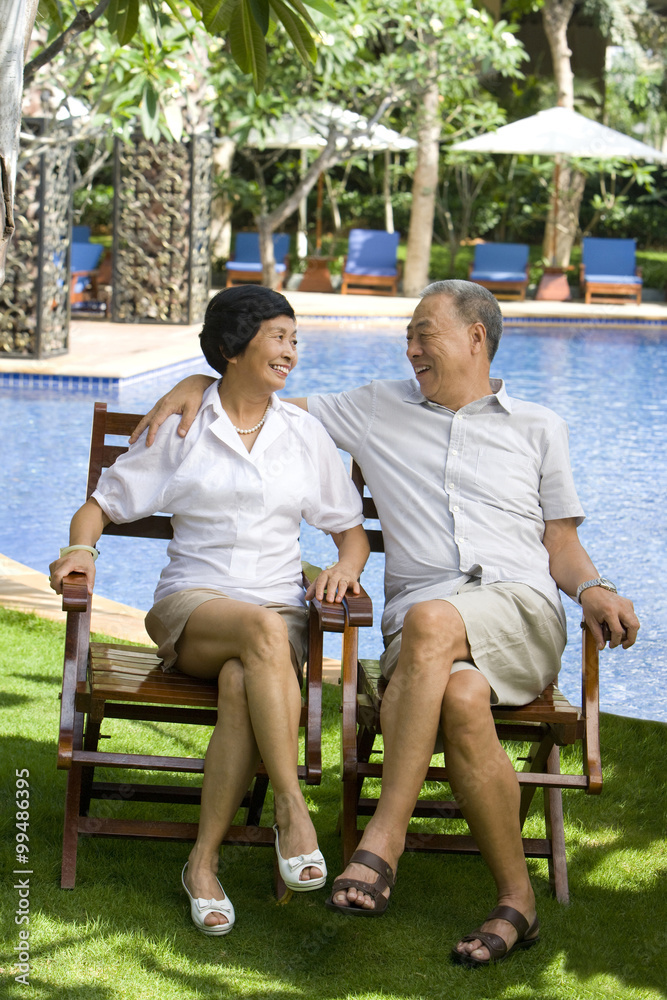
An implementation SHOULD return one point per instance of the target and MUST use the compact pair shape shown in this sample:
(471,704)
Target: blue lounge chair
(608,271)
(80,234)
(246,265)
(371,266)
(502,268)
(84,262)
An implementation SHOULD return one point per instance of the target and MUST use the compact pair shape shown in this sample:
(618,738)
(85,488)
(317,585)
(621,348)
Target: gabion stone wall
(34,299)
(162,217)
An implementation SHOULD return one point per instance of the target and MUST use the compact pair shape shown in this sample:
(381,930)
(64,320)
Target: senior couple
(479,513)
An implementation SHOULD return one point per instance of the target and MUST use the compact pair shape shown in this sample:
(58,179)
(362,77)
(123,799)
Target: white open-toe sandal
(290,869)
(200,908)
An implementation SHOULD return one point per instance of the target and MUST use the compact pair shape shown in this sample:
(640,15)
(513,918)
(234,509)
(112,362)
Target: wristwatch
(598,582)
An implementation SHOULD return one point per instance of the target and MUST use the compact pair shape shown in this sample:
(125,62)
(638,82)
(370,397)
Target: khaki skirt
(167,618)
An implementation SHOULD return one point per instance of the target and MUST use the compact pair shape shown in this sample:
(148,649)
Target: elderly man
(479,514)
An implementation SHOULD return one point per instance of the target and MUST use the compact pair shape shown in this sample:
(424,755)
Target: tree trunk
(268,223)
(221,206)
(561,228)
(420,233)
(17,18)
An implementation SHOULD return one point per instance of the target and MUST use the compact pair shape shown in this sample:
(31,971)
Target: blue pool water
(608,383)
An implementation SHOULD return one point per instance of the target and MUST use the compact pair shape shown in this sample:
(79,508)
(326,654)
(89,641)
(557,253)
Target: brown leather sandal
(385,880)
(498,950)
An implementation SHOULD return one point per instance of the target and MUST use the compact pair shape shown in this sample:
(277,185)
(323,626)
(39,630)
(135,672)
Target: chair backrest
(501,256)
(103,453)
(607,256)
(246,247)
(85,256)
(80,234)
(372,247)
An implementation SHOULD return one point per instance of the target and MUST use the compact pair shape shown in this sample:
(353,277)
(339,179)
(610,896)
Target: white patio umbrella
(307,128)
(560,132)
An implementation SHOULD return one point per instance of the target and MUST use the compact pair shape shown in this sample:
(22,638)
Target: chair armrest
(590,707)
(75,593)
(355,610)
(582,273)
(77,603)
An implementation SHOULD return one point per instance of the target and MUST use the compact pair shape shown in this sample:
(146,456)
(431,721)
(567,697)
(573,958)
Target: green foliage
(123,19)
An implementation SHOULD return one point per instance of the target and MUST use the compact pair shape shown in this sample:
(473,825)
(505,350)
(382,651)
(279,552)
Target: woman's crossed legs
(259,704)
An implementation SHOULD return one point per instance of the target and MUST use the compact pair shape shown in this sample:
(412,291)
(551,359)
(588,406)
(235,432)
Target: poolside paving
(126,350)
(117,350)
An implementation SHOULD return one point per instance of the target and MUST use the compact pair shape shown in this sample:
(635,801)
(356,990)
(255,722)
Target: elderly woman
(230,604)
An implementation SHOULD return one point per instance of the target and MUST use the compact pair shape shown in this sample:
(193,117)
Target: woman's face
(270,356)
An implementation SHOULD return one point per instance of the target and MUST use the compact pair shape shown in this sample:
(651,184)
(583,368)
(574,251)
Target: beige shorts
(515,636)
(167,618)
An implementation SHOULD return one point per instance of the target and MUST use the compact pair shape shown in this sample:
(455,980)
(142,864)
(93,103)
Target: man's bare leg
(487,791)
(433,637)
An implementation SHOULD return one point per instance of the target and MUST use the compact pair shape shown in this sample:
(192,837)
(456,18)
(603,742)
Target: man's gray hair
(474,304)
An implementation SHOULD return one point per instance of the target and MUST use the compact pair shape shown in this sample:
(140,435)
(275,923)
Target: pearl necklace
(251,430)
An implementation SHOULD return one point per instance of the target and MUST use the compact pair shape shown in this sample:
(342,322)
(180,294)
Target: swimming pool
(608,383)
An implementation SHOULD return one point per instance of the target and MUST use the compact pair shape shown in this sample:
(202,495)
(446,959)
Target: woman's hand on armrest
(336,580)
(184,398)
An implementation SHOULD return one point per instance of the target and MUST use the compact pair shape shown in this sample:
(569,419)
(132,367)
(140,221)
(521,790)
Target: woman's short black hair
(234,316)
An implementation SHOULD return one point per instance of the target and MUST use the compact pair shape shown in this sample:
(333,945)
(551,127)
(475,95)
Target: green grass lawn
(125,931)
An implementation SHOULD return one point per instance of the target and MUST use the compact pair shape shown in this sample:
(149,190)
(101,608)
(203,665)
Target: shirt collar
(413,394)
(222,427)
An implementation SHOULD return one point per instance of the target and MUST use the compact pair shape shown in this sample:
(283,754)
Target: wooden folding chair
(544,726)
(118,681)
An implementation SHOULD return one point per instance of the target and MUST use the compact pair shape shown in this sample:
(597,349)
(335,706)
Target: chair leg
(555,830)
(257,798)
(72,812)
(350,797)
(90,742)
(71,828)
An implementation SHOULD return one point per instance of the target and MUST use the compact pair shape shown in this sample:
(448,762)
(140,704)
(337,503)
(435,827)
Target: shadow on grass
(125,931)
(303,949)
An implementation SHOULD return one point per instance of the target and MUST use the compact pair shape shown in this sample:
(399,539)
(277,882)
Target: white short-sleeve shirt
(236,514)
(461,496)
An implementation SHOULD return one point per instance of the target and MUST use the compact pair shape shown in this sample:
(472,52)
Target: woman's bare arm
(85,529)
(353,551)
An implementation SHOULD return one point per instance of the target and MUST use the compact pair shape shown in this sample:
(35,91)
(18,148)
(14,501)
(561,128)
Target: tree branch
(81,22)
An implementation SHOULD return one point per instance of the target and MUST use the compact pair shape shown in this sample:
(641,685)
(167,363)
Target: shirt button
(454,451)
(455,508)
(451,486)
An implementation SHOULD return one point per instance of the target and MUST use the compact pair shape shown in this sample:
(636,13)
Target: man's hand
(184,398)
(604,607)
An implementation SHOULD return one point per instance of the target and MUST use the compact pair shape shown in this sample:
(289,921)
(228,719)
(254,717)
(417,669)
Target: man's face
(440,346)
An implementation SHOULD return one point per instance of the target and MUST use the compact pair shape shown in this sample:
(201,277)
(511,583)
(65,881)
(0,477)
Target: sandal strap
(513,917)
(377,864)
(374,890)
(495,944)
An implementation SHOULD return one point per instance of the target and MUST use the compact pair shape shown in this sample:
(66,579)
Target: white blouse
(235,514)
